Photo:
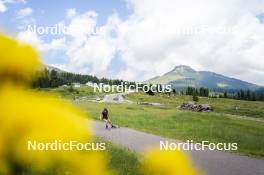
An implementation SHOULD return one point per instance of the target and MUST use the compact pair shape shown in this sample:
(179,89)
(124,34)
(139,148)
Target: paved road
(211,162)
(116,98)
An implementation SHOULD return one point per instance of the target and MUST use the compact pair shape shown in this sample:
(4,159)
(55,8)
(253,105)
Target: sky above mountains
(137,40)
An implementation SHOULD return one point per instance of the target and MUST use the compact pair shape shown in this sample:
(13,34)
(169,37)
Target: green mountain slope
(183,76)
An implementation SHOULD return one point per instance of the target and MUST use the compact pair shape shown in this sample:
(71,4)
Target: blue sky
(50,12)
(137,40)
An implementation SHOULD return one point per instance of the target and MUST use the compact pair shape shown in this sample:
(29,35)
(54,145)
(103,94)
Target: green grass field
(121,160)
(220,105)
(168,121)
(185,125)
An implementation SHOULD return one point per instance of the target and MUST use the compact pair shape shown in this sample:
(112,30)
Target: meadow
(231,120)
(220,105)
(185,125)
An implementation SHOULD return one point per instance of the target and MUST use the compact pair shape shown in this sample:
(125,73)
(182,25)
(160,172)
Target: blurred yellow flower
(157,162)
(17,61)
(29,116)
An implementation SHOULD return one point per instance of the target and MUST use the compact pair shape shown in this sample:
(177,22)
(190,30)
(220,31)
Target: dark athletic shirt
(105,114)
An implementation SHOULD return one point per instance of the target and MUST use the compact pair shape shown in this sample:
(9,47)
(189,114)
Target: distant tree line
(248,95)
(245,95)
(52,79)
(202,92)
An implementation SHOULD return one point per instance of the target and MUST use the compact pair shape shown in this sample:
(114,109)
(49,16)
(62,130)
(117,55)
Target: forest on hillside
(52,79)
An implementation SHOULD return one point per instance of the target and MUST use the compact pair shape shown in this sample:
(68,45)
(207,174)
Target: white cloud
(42,46)
(82,26)
(71,12)
(30,38)
(3,3)
(24,12)
(89,46)
(89,49)
(2,6)
(151,41)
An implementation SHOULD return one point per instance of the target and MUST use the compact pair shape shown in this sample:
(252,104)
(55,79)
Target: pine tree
(195,97)
(225,94)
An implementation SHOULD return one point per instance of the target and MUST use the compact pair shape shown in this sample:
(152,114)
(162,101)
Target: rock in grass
(196,107)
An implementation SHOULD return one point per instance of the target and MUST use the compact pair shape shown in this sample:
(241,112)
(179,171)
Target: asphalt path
(116,98)
(211,162)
